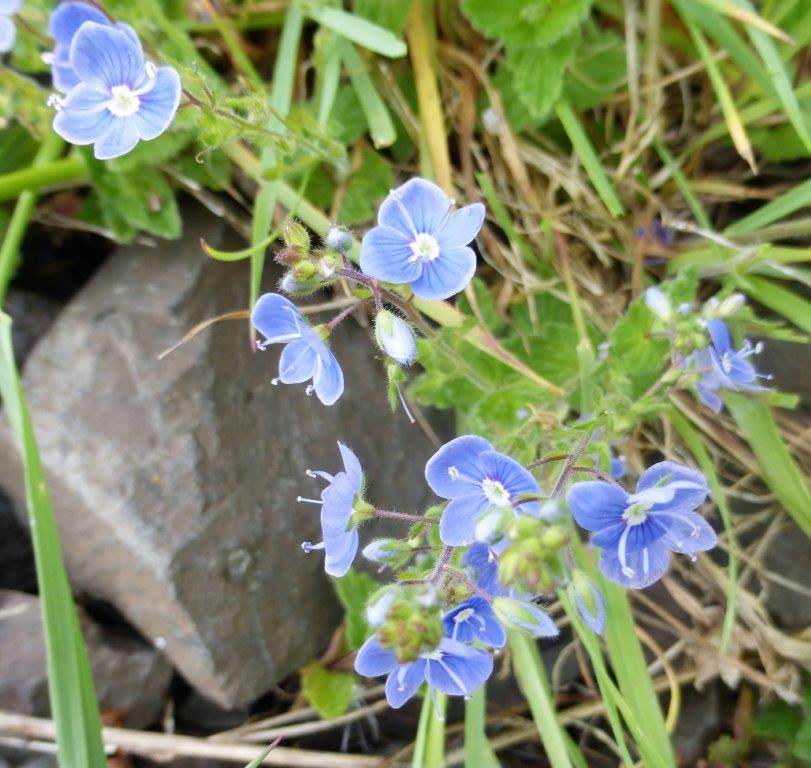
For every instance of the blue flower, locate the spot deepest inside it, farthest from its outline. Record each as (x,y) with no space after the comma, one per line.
(305,355)
(338,500)
(421,241)
(8,32)
(722,367)
(482,559)
(121,99)
(638,531)
(452,668)
(474,621)
(395,338)
(477,479)
(618,467)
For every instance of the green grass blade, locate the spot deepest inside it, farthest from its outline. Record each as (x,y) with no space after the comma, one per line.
(534,684)
(794,200)
(70,685)
(780,471)
(359,30)
(695,445)
(329,77)
(683,184)
(745,13)
(478,752)
(429,747)
(381,126)
(588,156)
(779,76)
(786,302)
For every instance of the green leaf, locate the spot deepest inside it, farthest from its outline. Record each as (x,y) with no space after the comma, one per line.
(70,685)
(330,692)
(638,355)
(529,23)
(354,590)
(366,189)
(391,14)
(360,30)
(597,69)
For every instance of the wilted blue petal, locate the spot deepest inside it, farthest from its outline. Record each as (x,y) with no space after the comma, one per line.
(596,504)
(458,670)
(461,227)
(328,380)
(120,139)
(455,470)
(8,34)
(404,682)
(385,254)
(277,319)
(158,104)
(297,362)
(416,207)
(446,275)
(457,528)
(100,53)
(642,569)
(687,532)
(373,660)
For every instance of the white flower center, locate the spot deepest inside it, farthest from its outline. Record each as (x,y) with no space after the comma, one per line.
(463,615)
(496,493)
(424,248)
(124,102)
(726,362)
(636,514)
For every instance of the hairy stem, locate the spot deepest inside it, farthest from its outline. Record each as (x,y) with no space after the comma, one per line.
(404,516)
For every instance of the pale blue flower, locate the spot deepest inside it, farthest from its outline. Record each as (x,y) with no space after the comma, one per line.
(722,367)
(478,480)
(637,531)
(121,99)
(421,241)
(8,32)
(618,466)
(305,355)
(452,668)
(395,337)
(472,621)
(338,501)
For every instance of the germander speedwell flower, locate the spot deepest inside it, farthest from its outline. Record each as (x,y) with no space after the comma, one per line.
(339,502)
(478,480)
(305,355)
(420,240)
(8,32)
(121,99)
(638,531)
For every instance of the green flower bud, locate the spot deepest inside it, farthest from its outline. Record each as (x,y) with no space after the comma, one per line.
(296,237)
(411,627)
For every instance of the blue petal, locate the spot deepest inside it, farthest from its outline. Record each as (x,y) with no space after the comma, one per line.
(461,227)
(338,562)
(637,536)
(461,454)
(446,275)
(514,477)
(687,487)
(158,104)
(83,125)
(539,623)
(67,18)
(87,98)
(457,528)
(687,532)
(460,670)
(120,139)
(10,7)
(8,34)
(277,319)
(594,621)
(617,467)
(417,207)
(373,660)
(328,380)
(337,507)
(719,333)
(62,73)
(481,625)
(386,254)
(102,54)
(297,362)
(482,560)
(404,682)
(709,397)
(596,504)
(352,466)
(646,566)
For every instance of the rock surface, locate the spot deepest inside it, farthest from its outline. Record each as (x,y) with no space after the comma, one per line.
(17,569)
(132,678)
(175,481)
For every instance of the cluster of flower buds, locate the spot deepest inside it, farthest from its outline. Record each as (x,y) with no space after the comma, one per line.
(306,269)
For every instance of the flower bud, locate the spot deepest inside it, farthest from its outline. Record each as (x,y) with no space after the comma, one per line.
(304,270)
(338,239)
(394,337)
(290,285)
(411,627)
(589,601)
(659,304)
(392,552)
(524,616)
(731,305)
(296,237)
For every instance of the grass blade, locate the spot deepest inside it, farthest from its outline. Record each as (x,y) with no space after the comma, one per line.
(794,200)
(360,31)
(70,685)
(478,752)
(780,471)
(746,16)
(791,305)
(429,747)
(592,164)
(534,684)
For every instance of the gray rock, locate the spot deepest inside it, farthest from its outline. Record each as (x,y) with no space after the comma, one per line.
(132,679)
(175,481)
(789,364)
(700,721)
(32,315)
(17,569)
(789,555)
